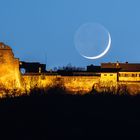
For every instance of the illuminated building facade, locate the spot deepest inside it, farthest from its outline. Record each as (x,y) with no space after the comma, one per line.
(128,72)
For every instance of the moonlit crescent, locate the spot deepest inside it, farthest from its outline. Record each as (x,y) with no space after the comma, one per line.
(103,53)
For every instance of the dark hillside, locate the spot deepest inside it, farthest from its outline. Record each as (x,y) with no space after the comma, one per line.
(64,116)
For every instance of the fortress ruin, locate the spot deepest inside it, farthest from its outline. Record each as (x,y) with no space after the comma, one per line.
(9,68)
(107,77)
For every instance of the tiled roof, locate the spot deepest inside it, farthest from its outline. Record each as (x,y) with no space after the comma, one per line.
(123,66)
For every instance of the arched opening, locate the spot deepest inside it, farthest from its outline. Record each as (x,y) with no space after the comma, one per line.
(22,70)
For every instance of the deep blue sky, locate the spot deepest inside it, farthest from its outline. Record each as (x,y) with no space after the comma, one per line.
(43,30)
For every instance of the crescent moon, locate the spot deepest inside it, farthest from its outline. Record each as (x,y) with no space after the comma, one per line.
(103,53)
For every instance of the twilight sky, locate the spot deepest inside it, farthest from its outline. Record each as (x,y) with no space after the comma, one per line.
(43,30)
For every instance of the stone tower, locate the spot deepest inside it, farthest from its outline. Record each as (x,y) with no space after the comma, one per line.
(9,68)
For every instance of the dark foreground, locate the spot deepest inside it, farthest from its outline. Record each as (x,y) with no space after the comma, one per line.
(61,116)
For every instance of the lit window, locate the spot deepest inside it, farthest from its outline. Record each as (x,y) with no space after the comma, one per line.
(133,75)
(126,75)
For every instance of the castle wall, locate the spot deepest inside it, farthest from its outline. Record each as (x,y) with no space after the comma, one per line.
(9,68)
(11,78)
(80,83)
(131,87)
(40,81)
(70,83)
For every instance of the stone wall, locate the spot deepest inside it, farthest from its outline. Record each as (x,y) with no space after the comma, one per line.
(130,87)
(81,84)
(9,68)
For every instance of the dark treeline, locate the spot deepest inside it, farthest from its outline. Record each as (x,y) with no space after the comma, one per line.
(56,114)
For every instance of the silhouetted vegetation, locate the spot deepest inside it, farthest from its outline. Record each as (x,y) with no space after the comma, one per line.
(56,114)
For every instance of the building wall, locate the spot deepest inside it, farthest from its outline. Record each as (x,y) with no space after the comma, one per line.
(129,76)
(121,76)
(122,81)
(108,79)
